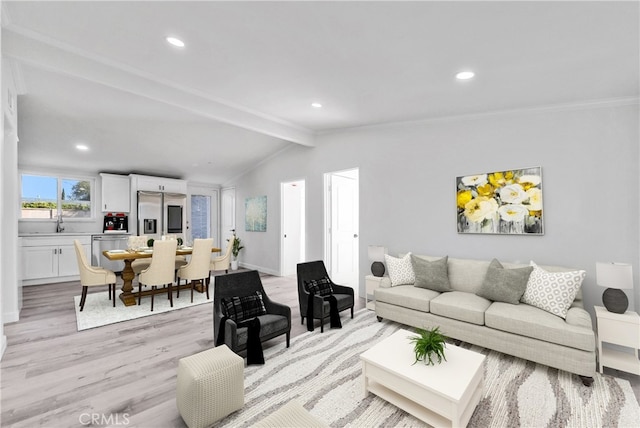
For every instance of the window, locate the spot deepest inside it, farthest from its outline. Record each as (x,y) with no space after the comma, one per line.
(200,216)
(43,197)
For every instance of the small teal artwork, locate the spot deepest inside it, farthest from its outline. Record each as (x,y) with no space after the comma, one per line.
(255,214)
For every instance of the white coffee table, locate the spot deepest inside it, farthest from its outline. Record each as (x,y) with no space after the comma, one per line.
(442,395)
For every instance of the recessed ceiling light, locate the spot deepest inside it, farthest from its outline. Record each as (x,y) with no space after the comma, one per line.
(465,75)
(175,42)
(316,105)
(82,147)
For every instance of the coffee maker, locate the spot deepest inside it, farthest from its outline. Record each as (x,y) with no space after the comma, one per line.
(115,223)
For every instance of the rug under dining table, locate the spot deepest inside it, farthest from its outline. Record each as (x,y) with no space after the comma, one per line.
(98,309)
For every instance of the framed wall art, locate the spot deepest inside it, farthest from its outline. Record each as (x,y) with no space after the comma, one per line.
(255,214)
(502,202)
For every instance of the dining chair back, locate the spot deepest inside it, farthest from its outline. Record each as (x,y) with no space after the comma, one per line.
(198,267)
(93,276)
(223,262)
(161,271)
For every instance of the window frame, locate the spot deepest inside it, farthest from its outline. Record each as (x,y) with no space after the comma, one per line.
(59,177)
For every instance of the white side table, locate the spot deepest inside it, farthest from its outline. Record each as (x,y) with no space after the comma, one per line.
(618,329)
(371,283)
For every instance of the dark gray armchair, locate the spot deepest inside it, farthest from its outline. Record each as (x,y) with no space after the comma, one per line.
(314,271)
(275,322)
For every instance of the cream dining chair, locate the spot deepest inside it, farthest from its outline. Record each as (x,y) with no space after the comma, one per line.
(92,276)
(222,262)
(134,243)
(198,267)
(161,270)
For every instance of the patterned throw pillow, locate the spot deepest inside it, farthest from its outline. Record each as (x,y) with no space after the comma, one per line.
(244,307)
(400,270)
(553,292)
(319,287)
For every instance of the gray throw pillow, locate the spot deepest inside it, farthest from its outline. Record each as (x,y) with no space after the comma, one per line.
(432,275)
(504,285)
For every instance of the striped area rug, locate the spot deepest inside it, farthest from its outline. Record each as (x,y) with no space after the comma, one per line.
(323,372)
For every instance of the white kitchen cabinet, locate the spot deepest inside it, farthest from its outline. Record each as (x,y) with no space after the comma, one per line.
(47,259)
(160,184)
(116,195)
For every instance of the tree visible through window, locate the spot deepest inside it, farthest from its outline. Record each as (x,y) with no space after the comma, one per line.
(40,197)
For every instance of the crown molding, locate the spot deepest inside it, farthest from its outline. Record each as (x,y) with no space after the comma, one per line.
(581,105)
(45,53)
(18,76)
(5,16)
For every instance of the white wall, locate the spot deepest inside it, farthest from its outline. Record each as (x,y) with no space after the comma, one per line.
(589,158)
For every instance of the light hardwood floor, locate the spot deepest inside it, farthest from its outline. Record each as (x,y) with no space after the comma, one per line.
(121,375)
(54,376)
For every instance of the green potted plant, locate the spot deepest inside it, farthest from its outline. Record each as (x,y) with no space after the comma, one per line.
(429,345)
(235,250)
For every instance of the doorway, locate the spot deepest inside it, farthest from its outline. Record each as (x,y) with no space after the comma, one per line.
(202,214)
(293,237)
(341,192)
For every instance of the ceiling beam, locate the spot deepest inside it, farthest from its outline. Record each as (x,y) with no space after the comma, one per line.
(37,51)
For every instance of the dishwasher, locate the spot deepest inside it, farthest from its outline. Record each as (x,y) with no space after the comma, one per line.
(108,241)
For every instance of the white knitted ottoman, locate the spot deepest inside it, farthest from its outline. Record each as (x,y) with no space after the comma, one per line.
(210,386)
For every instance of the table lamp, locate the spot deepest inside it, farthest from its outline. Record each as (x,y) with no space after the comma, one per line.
(376,253)
(616,277)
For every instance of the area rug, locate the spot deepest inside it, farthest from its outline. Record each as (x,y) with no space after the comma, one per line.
(98,309)
(323,372)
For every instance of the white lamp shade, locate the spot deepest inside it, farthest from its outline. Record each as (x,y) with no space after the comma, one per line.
(614,275)
(376,253)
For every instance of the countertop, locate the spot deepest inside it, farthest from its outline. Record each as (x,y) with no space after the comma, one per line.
(43,234)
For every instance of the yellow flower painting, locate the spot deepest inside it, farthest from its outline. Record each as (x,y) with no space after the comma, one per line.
(502,202)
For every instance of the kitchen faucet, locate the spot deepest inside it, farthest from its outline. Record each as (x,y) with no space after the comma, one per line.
(59,226)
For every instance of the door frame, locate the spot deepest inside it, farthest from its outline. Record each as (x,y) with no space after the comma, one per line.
(303,249)
(328,220)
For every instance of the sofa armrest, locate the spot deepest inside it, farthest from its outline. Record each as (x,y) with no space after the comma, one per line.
(578,317)
(341,289)
(385,282)
(278,309)
(230,334)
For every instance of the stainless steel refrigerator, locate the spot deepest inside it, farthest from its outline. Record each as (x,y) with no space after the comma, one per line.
(161,213)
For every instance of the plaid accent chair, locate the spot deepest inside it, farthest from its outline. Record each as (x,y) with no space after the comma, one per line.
(241,296)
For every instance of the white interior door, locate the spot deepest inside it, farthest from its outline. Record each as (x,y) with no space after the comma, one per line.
(227,214)
(343,230)
(293,226)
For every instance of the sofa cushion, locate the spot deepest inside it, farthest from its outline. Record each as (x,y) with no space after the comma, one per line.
(406,296)
(504,285)
(553,292)
(529,321)
(400,269)
(269,324)
(461,306)
(431,274)
(467,275)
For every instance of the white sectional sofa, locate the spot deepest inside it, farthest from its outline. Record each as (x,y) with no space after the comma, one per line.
(520,329)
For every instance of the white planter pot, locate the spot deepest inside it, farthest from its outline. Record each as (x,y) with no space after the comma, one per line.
(234,265)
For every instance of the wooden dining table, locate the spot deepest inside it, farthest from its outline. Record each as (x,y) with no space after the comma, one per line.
(127,256)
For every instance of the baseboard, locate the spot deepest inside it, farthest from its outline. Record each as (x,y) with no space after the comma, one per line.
(10,317)
(259,269)
(4,346)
